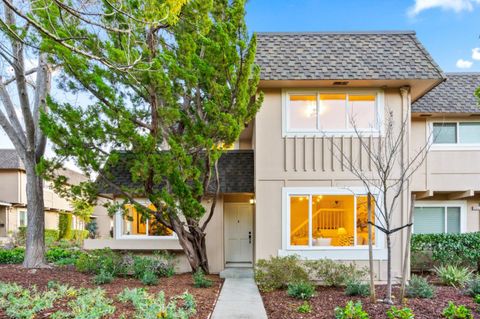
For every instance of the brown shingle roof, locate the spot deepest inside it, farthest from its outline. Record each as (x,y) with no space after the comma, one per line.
(344,55)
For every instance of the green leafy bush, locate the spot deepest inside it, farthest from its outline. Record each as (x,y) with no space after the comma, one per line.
(472,286)
(65,226)
(160,263)
(149,306)
(101,260)
(12,256)
(332,273)
(351,311)
(200,281)
(453,311)
(355,287)
(103,277)
(149,278)
(62,256)
(476,299)
(418,287)
(301,290)
(51,236)
(453,275)
(304,307)
(461,249)
(277,272)
(400,313)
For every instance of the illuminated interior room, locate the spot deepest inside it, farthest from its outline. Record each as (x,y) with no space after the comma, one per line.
(329,220)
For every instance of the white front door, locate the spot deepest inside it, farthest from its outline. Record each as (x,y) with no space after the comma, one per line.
(238,232)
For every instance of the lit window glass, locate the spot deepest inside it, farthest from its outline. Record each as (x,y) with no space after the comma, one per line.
(362,111)
(302,113)
(299,223)
(333,111)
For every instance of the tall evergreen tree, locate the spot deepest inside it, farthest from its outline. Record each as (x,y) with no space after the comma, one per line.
(172,81)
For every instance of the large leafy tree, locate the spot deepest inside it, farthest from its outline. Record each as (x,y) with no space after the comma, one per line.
(171,81)
(25,76)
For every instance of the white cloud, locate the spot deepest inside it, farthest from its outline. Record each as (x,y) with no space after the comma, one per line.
(455,5)
(476,53)
(464,64)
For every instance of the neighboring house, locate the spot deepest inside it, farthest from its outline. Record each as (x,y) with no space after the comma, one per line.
(283,189)
(13,196)
(447,185)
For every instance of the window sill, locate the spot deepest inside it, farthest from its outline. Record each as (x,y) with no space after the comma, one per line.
(455,147)
(335,253)
(145,237)
(332,134)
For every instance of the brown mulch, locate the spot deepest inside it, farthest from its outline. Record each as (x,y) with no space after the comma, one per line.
(280,306)
(205,298)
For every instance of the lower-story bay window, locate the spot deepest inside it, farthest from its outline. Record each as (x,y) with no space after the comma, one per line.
(320,218)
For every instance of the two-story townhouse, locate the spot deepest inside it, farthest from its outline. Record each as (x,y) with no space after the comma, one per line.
(447,185)
(13,196)
(283,189)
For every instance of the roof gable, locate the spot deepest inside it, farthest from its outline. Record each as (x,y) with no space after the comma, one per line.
(339,55)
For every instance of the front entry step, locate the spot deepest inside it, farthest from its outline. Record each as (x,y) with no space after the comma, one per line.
(236,273)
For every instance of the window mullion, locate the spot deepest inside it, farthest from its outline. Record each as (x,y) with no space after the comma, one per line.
(458,133)
(319,123)
(310,222)
(355,221)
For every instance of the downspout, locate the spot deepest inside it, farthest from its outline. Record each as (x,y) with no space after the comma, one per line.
(405,95)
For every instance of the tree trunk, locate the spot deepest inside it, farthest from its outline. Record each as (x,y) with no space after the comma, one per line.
(388,297)
(35,241)
(370,250)
(194,246)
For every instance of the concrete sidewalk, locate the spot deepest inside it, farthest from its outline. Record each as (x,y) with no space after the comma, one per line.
(239,298)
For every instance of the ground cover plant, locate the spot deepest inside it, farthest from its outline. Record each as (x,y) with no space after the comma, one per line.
(62,292)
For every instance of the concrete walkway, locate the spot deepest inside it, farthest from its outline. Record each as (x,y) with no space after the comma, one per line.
(239,298)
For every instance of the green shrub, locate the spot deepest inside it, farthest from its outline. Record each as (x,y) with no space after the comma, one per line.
(472,286)
(351,311)
(461,249)
(12,256)
(453,311)
(149,278)
(149,306)
(418,287)
(57,254)
(103,277)
(476,299)
(304,307)
(161,264)
(65,226)
(200,281)
(90,304)
(301,290)
(453,275)
(277,272)
(400,313)
(51,236)
(355,287)
(101,259)
(332,273)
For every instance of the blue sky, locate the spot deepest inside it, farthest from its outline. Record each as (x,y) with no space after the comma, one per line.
(449,29)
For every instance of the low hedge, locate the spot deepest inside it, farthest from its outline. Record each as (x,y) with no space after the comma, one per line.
(53,255)
(51,235)
(462,249)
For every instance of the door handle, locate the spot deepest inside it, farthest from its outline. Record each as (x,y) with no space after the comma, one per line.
(249,237)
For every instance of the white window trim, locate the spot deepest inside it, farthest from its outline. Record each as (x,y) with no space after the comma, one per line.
(451,146)
(379,112)
(446,203)
(359,252)
(18,218)
(119,228)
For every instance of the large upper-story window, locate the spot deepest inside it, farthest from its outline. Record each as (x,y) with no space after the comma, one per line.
(456,133)
(319,112)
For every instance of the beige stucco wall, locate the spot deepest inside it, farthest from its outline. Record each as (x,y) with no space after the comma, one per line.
(308,162)
(444,170)
(214,242)
(104,221)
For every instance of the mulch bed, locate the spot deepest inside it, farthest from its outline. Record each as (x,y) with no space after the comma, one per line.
(280,306)
(205,298)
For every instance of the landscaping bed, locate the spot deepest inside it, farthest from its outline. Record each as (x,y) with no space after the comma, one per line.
(172,286)
(280,306)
